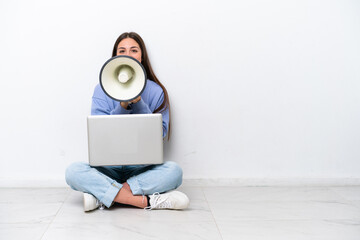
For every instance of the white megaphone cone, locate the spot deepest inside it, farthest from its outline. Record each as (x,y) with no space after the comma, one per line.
(123,78)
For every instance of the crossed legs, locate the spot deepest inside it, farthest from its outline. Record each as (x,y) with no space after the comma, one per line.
(104,183)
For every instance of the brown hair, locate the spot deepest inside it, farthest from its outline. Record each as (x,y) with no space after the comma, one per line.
(149,71)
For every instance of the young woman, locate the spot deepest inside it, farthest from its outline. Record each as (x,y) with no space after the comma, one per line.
(143,186)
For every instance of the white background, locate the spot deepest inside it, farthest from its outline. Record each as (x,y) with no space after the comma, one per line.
(259,89)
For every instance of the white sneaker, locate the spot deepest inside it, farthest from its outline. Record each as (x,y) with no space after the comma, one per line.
(90,202)
(170,200)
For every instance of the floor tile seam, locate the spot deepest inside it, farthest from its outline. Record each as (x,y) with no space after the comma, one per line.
(344,199)
(292,220)
(355,203)
(212,214)
(348,202)
(137,221)
(284,187)
(32,203)
(29,222)
(24,223)
(340,195)
(288,219)
(202,221)
(57,212)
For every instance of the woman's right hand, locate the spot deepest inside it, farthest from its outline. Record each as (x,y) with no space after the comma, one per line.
(126,104)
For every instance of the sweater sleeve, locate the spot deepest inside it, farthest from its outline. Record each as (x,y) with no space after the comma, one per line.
(142,108)
(165,117)
(101,106)
(164,113)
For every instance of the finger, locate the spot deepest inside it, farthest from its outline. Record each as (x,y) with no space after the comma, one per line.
(136,99)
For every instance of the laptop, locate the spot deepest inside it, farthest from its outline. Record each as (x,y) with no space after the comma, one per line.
(126,139)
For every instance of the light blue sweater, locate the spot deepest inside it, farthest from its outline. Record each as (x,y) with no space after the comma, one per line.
(151,98)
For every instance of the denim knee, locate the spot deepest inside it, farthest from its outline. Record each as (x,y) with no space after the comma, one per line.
(72,172)
(175,172)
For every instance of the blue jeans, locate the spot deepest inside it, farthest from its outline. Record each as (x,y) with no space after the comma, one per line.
(105,182)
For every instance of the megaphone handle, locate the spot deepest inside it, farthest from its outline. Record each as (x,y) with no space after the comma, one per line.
(129,106)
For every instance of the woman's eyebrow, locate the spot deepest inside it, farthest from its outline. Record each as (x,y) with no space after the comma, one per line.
(130,47)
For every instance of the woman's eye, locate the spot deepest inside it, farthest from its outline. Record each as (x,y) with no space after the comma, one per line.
(134,51)
(121,51)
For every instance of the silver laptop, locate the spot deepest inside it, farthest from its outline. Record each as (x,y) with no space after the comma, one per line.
(127,139)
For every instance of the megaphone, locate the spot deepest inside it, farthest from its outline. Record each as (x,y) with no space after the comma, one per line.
(123,78)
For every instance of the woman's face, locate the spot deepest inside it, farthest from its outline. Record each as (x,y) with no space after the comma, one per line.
(129,47)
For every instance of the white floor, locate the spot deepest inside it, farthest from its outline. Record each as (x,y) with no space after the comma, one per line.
(226,213)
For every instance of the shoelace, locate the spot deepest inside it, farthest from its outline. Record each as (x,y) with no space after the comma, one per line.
(158,202)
